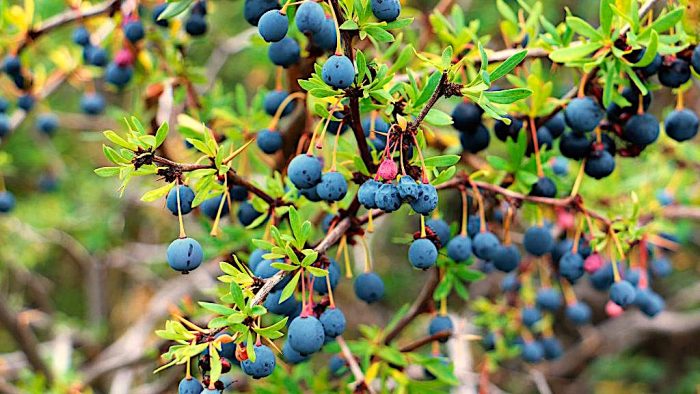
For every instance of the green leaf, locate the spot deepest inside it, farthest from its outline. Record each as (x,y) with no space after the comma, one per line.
(112,136)
(498,162)
(290,287)
(442,161)
(429,89)
(446,58)
(436,117)
(650,52)
(237,295)
(318,272)
(583,28)
(445,175)
(378,34)
(216,308)
(174,8)
(107,171)
(157,193)
(507,66)
(605,16)
(507,96)
(574,52)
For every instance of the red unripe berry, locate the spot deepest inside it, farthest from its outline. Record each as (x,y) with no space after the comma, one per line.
(388,170)
(124,58)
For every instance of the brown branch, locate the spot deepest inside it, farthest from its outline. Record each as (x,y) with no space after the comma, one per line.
(359,383)
(25,339)
(418,306)
(417,344)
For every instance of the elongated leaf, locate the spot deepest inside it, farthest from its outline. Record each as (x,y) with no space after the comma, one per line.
(507,66)
(508,96)
(576,52)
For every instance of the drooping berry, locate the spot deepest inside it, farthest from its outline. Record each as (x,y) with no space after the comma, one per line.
(369,287)
(320,285)
(309,17)
(304,171)
(273,26)
(674,72)
(186,198)
(504,131)
(388,170)
(583,114)
(476,141)
(274,99)
(466,116)
(333,186)
(422,253)
(387,198)
(333,321)
(506,258)
(574,145)
(579,313)
(681,125)
(253,10)
(263,365)
(118,75)
(81,36)
(426,200)
(134,31)
(92,103)
(440,324)
(485,245)
(210,207)
(47,123)
(552,348)
(556,125)
(367,192)
(155,15)
(338,71)
(544,187)
(571,266)
(622,293)
(532,352)
(641,129)
(306,335)
(460,248)
(548,299)
(661,267)
(599,164)
(7,201)
(185,254)
(196,25)
(284,52)
(326,37)
(408,188)
(189,386)
(439,227)
(538,240)
(530,316)
(386,10)
(269,141)
(286,307)
(256,256)
(247,214)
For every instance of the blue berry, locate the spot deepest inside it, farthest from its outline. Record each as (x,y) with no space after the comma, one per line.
(661,267)
(695,59)
(292,356)
(264,363)
(583,114)
(633,96)
(184,254)
(311,194)
(336,365)
(367,192)
(600,164)
(92,103)
(653,67)
(189,386)
(538,241)
(196,25)
(134,31)
(338,71)
(460,248)
(273,26)
(256,256)
(326,37)
(157,11)
(333,186)
(26,102)
(186,198)
(269,141)
(117,75)
(622,293)
(387,198)
(603,278)
(476,141)
(544,187)
(333,321)
(274,99)
(489,341)
(574,145)
(309,17)
(549,299)
(11,65)
(47,123)
(7,201)
(571,266)
(440,324)
(544,140)
(81,36)
(272,303)
(556,125)
(422,253)
(4,105)
(210,207)
(326,222)
(253,10)
(466,116)
(579,313)
(506,258)
(439,227)
(641,129)
(674,72)
(306,335)
(650,303)
(386,10)
(426,200)
(247,213)
(96,56)
(335,126)
(681,125)
(265,270)
(238,193)
(532,352)
(381,128)
(503,131)
(530,316)
(510,282)
(552,348)
(284,52)
(369,287)
(304,171)
(485,245)
(473,226)
(320,285)
(408,189)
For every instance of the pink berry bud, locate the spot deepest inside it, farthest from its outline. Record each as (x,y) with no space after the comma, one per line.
(565,219)
(388,170)
(124,58)
(613,310)
(592,263)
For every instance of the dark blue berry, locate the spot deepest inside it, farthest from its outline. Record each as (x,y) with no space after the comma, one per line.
(134,31)
(256,256)
(476,141)
(311,194)
(96,56)
(304,171)
(674,72)
(485,245)
(653,67)
(603,278)
(117,75)
(274,99)
(321,285)
(92,103)
(599,164)
(186,198)
(408,188)
(622,293)
(264,363)
(247,213)
(504,131)
(426,200)
(265,270)
(556,125)
(386,10)
(532,352)
(538,240)
(439,227)
(292,356)
(506,258)
(440,324)
(579,313)
(530,316)
(695,59)
(473,226)
(367,192)
(681,125)
(81,36)
(560,166)
(189,386)
(544,140)
(196,25)
(574,145)
(273,26)
(47,123)
(157,10)
(571,266)
(635,98)
(7,201)
(466,116)
(641,129)
(460,248)
(661,267)
(338,71)
(210,207)
(335,125)
(336,365)
(387,198)
(305,335)
(369,287)
(544,187)
(548,299)
(309,17)
(238,193)
(333,321)
(510,282)
(269,141)
(552,348)
(286,307)
(333,186)
(11,65)
(26,102)
(583,114)
(184,254)
(326,37)
(422,253)
(650,303)
(253,10)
